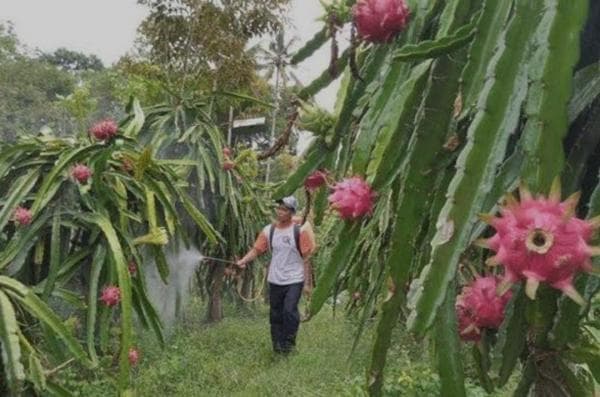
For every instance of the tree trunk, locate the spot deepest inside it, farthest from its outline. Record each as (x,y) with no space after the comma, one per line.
(215,288)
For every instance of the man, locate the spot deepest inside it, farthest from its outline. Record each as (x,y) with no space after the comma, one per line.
(290,248)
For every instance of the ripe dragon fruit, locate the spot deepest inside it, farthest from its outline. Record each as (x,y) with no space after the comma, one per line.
(479,306)
(540,240)
(111,295)
(228,165)
(379,21)
(104,130)
(316,180)
(23,216)
(81,173)
(352,198)
(133,355)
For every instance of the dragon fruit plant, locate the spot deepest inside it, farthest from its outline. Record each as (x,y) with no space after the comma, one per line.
(444,108)
(75,230)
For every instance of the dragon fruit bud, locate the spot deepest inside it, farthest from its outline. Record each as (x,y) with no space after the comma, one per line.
(228,165)
(541,241)
(104,130)
(111,295)
(316,180)
(23,216)
(479,306)
(132,267)
(133,355)
(81,173)
(379,21)
(127,165)
(352,198)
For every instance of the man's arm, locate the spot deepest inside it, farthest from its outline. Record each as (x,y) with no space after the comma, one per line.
(260,246)
(307,248)
(249,257)
(307,277)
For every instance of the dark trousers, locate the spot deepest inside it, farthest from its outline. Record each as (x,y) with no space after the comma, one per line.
(284,315)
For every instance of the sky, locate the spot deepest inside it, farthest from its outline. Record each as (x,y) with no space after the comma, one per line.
(107,28)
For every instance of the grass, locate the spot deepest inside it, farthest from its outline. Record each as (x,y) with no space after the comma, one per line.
(234,358)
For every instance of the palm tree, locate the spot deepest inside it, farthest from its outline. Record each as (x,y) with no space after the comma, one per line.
(275,61)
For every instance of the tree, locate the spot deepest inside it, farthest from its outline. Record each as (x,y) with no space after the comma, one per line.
(201,44)
(72,61)
(275,61)
(9,43)
(29,95)
(63,91)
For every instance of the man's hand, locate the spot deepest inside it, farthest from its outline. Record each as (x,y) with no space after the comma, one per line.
(240,263)
(307,290)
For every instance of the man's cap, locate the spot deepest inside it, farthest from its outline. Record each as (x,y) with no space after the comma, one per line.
(289,202)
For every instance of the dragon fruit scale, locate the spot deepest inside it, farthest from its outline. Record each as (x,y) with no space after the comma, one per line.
(111,295)
(479,306)
(352,198)
(539,239)
(379,21)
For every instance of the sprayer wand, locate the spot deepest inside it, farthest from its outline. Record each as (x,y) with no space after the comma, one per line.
(218,260)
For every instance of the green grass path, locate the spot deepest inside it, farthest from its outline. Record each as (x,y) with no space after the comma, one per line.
(234,358)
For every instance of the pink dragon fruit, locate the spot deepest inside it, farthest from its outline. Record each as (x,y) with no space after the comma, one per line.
(540,240)
(316,180)
(478,306)
(352,198)
(81,173)
(226,152)
(133,355)
(228,165)
(104,130)
(111,295)
(23,216)
(379,21)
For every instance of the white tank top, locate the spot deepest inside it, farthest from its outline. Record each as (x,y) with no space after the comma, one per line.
(287,265)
